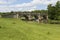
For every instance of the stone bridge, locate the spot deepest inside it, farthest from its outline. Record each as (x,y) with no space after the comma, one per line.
(29,16)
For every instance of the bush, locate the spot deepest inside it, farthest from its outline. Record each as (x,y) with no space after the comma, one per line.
(54,22)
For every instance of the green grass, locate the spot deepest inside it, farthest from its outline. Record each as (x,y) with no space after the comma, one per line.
(15,29)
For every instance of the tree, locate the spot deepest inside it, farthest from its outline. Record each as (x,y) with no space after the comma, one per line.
(57,10)
(51,11)
(54,11)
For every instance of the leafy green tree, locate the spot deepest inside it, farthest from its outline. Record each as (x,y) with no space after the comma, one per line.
(57,10)
(54,11)
(51,12)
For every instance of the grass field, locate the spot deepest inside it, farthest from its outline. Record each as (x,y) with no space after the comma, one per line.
(15,29)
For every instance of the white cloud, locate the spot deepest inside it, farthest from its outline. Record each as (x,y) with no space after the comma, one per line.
(2,2)
(7,1)
(24,6)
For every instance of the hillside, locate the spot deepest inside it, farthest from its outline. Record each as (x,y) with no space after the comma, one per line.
(16,29)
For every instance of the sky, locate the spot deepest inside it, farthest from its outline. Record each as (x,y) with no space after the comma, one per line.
(24,5)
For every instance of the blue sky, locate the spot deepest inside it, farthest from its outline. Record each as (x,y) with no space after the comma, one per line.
(24,5)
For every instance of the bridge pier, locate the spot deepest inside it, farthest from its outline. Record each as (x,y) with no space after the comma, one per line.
(45,18)
(29,17)
(40,19)
(16,15)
